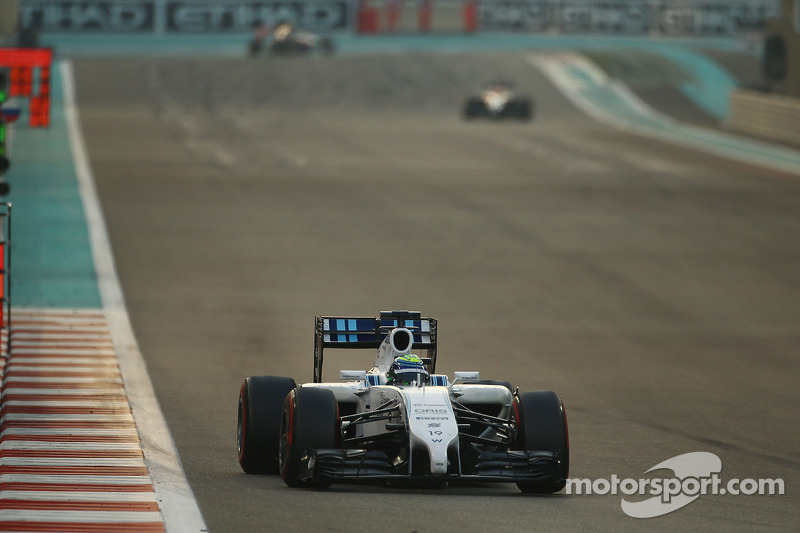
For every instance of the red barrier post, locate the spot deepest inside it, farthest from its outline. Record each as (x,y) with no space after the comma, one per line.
(393,8)
(21,81)
(367,18)
(425,13)
(470,14)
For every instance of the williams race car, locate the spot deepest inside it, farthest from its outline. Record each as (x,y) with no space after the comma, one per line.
(399,421)
(286,40)
(498,101)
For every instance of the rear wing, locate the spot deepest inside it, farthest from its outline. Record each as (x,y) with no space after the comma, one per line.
(356,332)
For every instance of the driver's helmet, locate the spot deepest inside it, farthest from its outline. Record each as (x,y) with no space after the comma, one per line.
(283,30)
(407,369)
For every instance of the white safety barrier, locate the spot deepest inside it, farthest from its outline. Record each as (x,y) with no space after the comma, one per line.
(765,115)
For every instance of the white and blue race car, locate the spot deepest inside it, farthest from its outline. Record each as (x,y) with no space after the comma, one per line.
(399,421)
(498,101)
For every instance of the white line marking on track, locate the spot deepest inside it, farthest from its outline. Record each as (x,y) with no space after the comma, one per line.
(65,370)
(612,102)
(144,481)
(63,352)
(64,379)
(122,404)
(72,461)
(67,446)
(87,392)
(68,432)
(53,495)
(56,360)
(88,517)
(44,332)
(68,417)
(178,505)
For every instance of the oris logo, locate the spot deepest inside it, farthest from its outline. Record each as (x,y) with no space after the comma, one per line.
(430,409)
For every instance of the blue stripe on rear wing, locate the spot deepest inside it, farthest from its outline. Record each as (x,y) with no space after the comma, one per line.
(337,331)
(369,332)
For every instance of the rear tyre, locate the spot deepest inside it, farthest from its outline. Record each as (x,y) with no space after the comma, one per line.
(289,48)
(254,47)
(542,425)
(326,46)
(310,420)
(259,422)
(473,108)
(524,109)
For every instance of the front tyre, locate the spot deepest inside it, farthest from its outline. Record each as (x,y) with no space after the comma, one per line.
(473,108)
(310,420)
(326,46)
(259,421)
(542,426)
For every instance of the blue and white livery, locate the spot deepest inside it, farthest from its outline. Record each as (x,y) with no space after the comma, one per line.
(399,421)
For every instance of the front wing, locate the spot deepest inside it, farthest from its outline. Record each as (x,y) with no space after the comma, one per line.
(364,466)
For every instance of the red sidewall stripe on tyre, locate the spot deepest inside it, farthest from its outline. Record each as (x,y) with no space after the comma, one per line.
(289,430)
(244,423)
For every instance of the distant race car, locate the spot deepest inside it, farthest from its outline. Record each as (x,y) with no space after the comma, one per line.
(286,40)
(399,422)
(498,101)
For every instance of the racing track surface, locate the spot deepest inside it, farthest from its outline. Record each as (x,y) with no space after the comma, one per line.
(657,289)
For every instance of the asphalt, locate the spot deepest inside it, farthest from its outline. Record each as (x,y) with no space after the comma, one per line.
(655,288)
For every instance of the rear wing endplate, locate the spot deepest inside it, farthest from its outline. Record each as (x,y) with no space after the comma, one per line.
(357,332)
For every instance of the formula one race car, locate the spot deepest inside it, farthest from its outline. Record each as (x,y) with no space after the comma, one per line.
(498,101)
(286,40)
(399,422)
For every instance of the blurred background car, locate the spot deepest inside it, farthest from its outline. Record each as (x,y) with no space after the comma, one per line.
(498,101)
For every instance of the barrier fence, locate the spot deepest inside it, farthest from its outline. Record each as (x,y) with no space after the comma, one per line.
(770,116)
(670,17)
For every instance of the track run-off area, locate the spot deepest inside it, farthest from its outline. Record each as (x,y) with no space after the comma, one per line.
(193,211)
